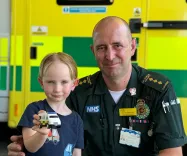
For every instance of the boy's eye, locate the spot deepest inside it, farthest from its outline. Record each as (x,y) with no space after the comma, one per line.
(64,82)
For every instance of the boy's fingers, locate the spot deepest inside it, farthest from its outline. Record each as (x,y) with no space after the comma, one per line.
(41,111)
(35,116)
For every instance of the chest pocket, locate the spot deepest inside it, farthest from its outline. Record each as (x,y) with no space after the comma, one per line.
(95,128)
(143,128)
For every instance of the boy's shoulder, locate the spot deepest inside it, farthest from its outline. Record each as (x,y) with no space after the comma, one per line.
(37,105)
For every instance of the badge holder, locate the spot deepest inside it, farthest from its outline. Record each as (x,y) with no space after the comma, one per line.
(129,136)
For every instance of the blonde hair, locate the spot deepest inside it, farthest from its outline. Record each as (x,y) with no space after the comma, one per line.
(58,56)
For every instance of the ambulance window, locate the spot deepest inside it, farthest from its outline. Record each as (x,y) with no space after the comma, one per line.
(85,2)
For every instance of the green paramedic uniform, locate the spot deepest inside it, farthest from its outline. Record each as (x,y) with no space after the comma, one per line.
(158,114)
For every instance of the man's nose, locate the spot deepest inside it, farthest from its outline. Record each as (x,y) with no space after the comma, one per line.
(110,53)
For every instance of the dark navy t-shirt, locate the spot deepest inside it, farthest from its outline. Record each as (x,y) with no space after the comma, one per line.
(70,132)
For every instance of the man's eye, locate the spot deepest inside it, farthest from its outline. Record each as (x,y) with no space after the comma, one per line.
(50,82)
(118,45)
(100,48)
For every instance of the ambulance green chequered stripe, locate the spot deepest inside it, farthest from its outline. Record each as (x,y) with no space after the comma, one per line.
(3,77)
(179,82)
(178,79)
(18,78)
(78,47)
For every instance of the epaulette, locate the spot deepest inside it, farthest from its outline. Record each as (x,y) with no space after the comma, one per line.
(85,80)
(156,81)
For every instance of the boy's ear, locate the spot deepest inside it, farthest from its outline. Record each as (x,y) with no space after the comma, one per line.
(75,83)
(40,82)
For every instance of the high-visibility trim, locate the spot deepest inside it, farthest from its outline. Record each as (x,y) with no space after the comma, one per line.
(18,78)
(173,54)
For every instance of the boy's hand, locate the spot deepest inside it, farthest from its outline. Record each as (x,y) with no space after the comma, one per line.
(37,123)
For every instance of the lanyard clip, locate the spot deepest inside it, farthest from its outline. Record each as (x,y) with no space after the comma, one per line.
(130,123)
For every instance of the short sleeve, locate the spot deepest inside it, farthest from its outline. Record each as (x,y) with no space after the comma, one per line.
(27,117)
(169,130)
(80,138)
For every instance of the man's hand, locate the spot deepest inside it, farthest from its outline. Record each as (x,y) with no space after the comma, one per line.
(15,148)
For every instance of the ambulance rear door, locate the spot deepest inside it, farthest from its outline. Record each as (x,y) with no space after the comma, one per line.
(165,29)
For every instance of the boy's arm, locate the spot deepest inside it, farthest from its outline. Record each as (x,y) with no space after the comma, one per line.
(33,140)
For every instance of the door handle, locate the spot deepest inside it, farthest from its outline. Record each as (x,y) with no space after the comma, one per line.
(165,25)
(33,52)
(136,25)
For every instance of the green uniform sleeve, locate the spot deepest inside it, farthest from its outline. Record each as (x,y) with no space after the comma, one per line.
(169,130)
(71,102)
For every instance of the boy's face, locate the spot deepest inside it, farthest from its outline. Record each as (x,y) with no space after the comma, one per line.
(57,83)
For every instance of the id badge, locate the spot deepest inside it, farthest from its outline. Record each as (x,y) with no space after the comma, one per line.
(130,137)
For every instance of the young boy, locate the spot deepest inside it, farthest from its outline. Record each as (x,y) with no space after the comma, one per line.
(57,77)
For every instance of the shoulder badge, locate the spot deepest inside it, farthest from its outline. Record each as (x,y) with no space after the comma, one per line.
(85,80)
(156,81)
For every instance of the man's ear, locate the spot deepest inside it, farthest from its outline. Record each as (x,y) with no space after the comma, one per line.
(40,82)
(133,46)
(92,48)
(75,83)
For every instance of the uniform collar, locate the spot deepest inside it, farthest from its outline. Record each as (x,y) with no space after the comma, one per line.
(132,87)
(101,87)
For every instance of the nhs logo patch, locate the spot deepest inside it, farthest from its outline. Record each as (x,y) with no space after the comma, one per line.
(92,109)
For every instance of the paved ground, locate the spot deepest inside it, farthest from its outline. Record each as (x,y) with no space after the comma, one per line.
(5,134)
(3,149)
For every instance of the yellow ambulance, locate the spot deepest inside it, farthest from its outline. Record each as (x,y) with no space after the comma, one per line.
(38,27)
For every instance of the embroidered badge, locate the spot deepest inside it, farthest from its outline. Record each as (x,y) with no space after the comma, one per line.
(92,109)
(142,108)
(132,91)
(165,106)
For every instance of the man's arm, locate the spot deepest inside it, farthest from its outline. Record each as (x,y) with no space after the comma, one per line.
(16,147)
(171,152)
(169,130)
(77,152)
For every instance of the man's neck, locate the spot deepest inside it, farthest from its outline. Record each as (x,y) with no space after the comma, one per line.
(118,84)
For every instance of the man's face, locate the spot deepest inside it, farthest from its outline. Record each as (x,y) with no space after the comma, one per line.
(113,49)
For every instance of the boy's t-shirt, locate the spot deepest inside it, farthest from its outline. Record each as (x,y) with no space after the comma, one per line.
(70,132)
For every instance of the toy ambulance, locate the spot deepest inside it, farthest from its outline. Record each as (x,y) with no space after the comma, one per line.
(49,120)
